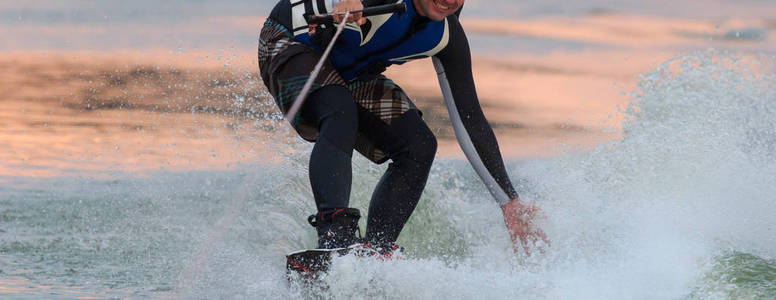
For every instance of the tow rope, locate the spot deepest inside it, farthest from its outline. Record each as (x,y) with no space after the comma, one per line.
(307,85)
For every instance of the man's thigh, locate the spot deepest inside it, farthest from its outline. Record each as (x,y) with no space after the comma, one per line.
(380,103)
(285,65)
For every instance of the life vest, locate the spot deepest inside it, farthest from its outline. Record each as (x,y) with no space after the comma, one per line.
(382,41)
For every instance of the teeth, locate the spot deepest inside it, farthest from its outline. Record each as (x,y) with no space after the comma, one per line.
(440,5)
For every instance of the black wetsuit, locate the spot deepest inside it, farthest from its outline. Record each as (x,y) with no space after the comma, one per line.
(407,141)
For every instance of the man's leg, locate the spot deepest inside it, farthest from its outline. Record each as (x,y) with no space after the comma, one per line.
(329,117)
(330,164)
(411,146)
(330,161)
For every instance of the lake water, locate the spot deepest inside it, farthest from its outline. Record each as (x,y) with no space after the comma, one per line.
(141,157)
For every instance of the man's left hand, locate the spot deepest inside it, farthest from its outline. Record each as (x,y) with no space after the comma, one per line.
(519,218)
(344,6)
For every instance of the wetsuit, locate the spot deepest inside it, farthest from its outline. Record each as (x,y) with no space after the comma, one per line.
(361,54)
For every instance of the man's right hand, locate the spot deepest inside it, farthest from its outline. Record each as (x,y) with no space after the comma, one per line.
(349,5)
(519,218)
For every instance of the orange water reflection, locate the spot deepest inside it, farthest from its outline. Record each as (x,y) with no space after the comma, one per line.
(145,110)
(63,114)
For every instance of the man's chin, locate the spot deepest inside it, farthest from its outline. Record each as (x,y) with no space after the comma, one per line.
(437,17)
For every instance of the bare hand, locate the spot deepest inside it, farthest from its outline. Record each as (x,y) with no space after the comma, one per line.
(519,218)
(349,5)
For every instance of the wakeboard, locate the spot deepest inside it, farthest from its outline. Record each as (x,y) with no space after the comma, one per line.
(311,263)
(305,269)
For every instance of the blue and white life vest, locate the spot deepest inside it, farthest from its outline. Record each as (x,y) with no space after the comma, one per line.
(382,41)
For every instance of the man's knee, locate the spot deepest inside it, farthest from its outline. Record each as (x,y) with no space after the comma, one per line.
(421,142)
(424,148)
(337,115)
(335,102)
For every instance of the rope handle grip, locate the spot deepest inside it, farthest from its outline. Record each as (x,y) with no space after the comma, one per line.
(366,12)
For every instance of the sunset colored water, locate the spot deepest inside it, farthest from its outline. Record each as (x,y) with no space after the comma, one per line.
(141,156)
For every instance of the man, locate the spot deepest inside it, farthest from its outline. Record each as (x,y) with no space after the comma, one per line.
(353,106)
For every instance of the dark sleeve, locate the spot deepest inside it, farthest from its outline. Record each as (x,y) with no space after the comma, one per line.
(456,59)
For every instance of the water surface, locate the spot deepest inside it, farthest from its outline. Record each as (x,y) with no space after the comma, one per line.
(141,157)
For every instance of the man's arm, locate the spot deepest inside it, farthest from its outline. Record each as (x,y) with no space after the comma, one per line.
(455,62)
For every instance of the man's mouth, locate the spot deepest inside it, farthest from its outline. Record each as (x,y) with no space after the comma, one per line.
(440,5)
